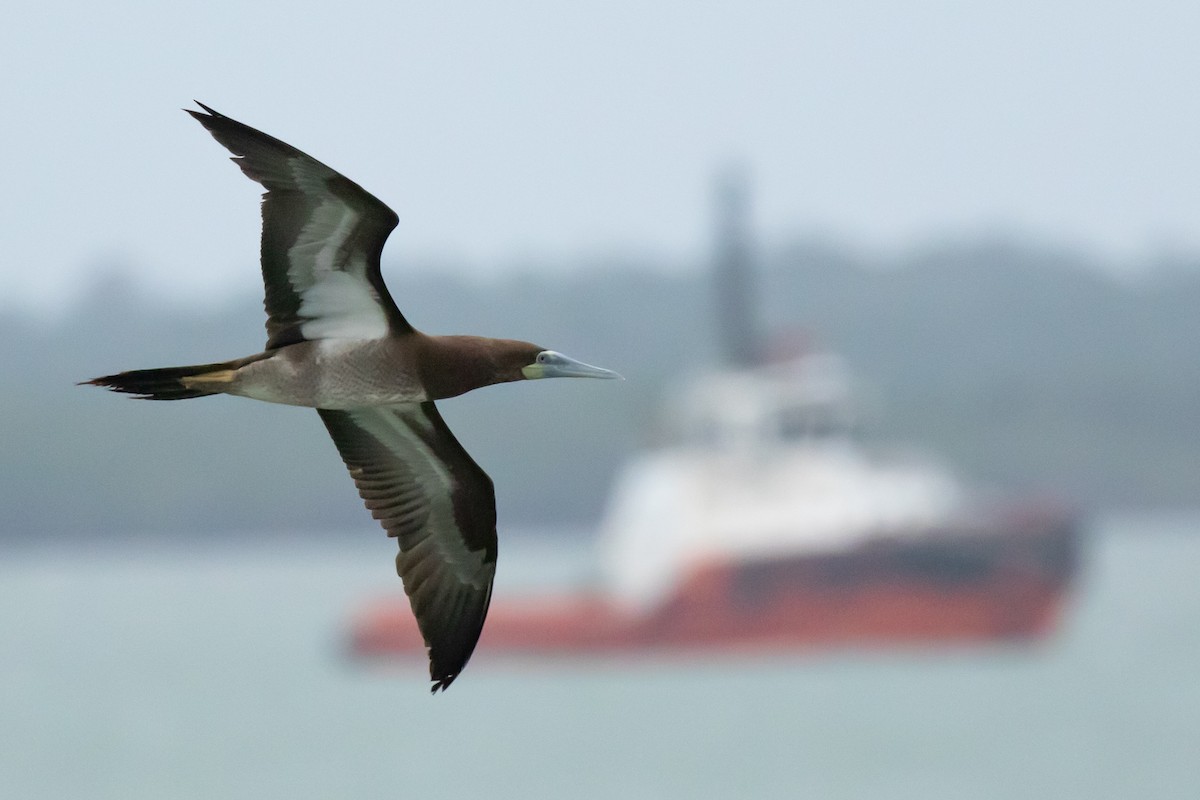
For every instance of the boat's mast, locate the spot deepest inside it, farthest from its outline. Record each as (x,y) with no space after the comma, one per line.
(733,273)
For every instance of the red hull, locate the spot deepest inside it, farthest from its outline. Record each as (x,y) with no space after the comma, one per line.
(942,587)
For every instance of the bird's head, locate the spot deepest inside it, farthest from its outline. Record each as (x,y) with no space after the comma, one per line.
(456,364)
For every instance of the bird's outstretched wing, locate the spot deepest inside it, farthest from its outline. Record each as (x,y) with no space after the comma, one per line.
(426,491)
(321,241)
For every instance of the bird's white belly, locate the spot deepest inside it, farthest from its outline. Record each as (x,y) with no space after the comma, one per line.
(330,373)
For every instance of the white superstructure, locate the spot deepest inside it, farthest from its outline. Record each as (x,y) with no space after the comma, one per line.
(761,462)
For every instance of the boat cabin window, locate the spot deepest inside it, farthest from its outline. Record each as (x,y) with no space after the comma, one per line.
(806,403)
(810,422)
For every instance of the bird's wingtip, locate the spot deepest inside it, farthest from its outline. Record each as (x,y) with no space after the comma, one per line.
(206,114)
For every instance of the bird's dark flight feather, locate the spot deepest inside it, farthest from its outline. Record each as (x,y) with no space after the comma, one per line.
(426,491)
(297,252)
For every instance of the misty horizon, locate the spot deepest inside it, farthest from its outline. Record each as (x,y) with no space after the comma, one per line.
(116,276)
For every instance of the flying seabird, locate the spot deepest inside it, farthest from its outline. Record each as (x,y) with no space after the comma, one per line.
(337,342)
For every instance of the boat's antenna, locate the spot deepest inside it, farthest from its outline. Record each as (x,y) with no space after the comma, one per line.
(733,272)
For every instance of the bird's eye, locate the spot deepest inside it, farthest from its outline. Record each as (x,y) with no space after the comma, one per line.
(542,358)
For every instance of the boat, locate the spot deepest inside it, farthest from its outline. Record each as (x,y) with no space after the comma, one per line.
(762,521)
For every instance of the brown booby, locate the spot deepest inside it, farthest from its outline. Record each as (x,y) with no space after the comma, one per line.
(337,342)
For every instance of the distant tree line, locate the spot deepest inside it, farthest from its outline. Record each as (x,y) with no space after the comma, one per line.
(1025,368)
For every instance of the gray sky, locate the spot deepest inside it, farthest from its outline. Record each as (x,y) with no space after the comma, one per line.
(499,130)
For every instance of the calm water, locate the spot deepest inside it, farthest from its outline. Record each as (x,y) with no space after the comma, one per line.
(203,673)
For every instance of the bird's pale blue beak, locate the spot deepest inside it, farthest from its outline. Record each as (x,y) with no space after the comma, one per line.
(550,364)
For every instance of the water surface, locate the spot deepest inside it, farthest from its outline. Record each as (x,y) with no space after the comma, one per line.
(161,672)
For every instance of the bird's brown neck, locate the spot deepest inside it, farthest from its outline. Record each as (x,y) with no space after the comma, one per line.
(451,365)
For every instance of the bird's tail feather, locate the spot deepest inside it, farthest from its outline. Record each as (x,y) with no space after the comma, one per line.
(173,383)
